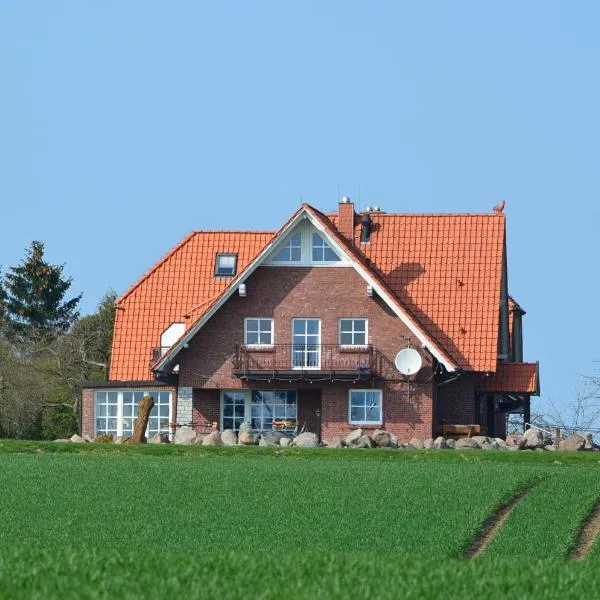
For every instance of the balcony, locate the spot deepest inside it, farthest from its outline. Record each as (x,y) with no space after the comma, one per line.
(316,362)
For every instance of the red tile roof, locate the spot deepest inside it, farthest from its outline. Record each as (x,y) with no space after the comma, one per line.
(516,378)
(444,270)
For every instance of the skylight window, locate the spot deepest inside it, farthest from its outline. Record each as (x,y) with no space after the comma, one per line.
(322,251)
(225,265)
(292,251)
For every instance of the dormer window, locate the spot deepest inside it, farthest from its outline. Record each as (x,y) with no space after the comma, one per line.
(322,251)
(292,251)
(225,265)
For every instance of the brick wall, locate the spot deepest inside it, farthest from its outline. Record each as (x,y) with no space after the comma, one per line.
(206,408)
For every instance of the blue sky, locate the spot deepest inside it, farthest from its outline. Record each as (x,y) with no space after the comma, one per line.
(124,125)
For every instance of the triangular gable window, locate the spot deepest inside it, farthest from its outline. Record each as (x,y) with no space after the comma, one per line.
(321,250)
(292,251)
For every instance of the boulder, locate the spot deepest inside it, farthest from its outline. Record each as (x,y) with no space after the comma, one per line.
(285,442)
(77,439)
(381,438)
(229,437)
(573,443)
(337,443)
(353,436)
(246,436)
(515,440)
(488,445)
(184,435)
(500,443)
(440,443)
(159,438)
(589,441)
(306,440)
(393,441)
(550,447)
(199,439)
(416,443)
(364,441)
(88,438)
(533,439)
(264,441)
(450,443)
(482,439)
(428,444)
(212,439)
(63,440)
(272,437)
(466,443)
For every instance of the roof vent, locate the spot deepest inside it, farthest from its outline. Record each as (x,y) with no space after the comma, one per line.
(345,200)
(365,233)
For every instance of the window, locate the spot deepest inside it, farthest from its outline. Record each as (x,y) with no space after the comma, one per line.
(234,410)
(259,408)
(225,265)
(292,251)
(272,405)
(353,332)
(306,343)
(321,250)
(258,332)
(116,412)
(365,407)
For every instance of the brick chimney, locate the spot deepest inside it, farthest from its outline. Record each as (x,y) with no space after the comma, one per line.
(346,218)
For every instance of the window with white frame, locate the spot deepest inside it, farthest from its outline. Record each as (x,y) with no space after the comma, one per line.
(260,408)
(353,332)
(233,409)
(272,405)
(365,407)
(225,265)
(258,332)
(115,412)
(321,250)
(292,251)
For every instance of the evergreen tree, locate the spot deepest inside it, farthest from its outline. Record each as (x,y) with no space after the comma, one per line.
(35,308)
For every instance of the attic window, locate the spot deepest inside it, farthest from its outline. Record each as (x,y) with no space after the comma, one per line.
(322,251)
(292,251)
(225,265)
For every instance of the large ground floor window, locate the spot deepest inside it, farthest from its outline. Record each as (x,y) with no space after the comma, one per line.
(264,409)
(365,407)
(115,412)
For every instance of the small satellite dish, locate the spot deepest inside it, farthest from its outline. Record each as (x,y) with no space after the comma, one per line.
(408,361)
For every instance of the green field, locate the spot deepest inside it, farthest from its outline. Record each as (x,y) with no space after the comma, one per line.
(106,521)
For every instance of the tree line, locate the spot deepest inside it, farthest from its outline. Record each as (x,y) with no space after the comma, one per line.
(47,350)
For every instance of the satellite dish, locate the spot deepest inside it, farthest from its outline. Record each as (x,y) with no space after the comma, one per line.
(408,361)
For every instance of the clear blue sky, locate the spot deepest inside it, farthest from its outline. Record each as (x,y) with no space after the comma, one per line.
(124,125)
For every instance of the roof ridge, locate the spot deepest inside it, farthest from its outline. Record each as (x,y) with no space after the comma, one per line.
(250,231)
(388,214)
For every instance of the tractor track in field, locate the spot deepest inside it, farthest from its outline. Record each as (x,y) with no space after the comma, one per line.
(494,523)
(587,534)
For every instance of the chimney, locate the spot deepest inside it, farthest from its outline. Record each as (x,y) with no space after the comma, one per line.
(346,218)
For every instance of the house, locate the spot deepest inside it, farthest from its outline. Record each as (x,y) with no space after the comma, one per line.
(299,329)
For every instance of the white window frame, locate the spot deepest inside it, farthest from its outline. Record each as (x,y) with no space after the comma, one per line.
(353,332)
(119,417)
(226,255)
(259,344)
(247,394)
(372,422)
(284,246)
(306,368)
(324,245)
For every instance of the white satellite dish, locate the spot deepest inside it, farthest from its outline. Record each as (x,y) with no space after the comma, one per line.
(408,361)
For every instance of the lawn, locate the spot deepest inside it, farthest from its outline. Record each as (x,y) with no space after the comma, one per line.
(102,521)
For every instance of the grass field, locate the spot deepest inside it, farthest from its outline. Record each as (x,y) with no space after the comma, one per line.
(100,521)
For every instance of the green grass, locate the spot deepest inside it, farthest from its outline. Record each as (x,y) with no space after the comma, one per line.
(106,521)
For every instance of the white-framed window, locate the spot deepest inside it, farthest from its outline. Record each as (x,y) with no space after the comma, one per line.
(306,343)
(233,409)
(321,251)
(260,408)
(258,332)
(115,411)
(225,264)
(353,332)
(365,407)
(292,251)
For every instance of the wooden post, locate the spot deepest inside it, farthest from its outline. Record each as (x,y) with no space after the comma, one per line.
(139,429)
(557,437)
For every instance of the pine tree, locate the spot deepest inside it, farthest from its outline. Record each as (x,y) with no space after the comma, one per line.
(35,309)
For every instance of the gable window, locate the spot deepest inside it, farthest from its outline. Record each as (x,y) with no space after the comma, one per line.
(258,332)
(365,407)
(292,251)
(225,265)
(322,251)
(353,332)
